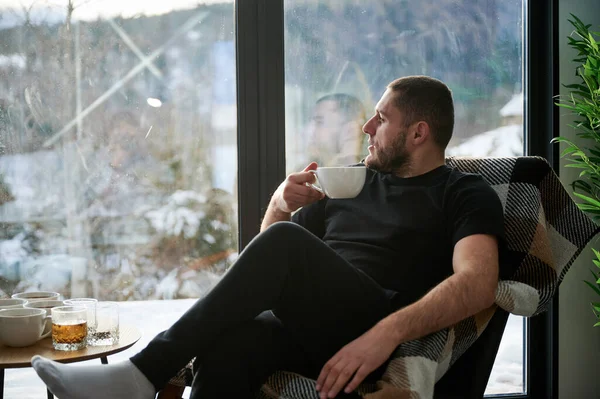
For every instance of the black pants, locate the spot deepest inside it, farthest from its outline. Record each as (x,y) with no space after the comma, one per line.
(321,302)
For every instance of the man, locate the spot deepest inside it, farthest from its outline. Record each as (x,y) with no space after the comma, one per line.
(349,280)
(335,130)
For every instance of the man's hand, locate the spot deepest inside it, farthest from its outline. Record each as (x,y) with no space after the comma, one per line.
(359,358)
(294,193)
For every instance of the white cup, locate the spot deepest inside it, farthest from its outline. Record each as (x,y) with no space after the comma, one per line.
(44,304)
(23,327)
(37,296)
(12,303)
(341,181)
(47,305)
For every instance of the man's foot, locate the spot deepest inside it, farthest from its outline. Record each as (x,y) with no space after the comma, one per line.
(116,381)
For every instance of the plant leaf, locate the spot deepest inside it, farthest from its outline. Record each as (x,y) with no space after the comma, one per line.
(592,41)
(588,199)
(593,287)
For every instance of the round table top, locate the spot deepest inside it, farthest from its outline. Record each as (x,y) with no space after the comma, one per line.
(12,358)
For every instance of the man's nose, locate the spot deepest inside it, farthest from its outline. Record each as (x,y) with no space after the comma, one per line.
(367,128)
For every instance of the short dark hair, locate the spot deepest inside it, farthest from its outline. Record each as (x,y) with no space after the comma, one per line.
(422,98)
(350,106)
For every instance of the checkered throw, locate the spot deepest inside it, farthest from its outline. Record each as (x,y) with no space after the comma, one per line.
(545,232)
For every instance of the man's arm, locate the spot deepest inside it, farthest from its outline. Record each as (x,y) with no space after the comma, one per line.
(274,215)
(290,196)
(469,290)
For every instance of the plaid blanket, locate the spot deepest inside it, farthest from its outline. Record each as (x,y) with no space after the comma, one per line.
(545,232)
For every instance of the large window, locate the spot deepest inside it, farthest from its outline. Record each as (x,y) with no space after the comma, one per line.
(118,147)
(339,56)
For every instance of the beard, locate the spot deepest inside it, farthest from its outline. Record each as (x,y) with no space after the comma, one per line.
(391,158)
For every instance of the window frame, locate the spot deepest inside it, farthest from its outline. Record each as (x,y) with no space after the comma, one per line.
(261,140)
(541,82)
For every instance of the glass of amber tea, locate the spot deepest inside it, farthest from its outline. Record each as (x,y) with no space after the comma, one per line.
(69,328)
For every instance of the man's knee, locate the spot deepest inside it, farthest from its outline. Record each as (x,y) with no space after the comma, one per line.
(285,230)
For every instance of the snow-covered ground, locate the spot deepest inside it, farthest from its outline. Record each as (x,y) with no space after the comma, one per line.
(151,317)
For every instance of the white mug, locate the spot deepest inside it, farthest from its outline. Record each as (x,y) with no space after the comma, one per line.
(23,327)
(12,303)
(341,181)
(47,305)
(37,296)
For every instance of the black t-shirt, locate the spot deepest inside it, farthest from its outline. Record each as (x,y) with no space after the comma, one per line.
(402,231)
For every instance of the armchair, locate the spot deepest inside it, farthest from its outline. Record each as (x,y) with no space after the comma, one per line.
(545,232)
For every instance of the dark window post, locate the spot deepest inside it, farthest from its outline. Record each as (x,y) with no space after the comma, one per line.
(261,109)
(541,125)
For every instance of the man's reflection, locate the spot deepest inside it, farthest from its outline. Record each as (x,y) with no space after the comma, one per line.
(335,130)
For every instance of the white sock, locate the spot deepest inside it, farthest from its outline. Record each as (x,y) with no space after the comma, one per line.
(116,381)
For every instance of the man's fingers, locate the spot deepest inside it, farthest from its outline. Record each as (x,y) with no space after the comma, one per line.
(301,195)
(359,377)
(324,373)
(337,377)
(302,177)
(306,176)
(311,166)
(330,379)
(342,379)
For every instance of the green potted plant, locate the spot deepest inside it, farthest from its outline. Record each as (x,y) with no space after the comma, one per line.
(584,102)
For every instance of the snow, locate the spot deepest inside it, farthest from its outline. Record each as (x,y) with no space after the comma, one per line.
(507,374)
(12,251)
(36,182)
(12,254)
(13,60)
(180,215)
(505,141)
(168,286)
(514,107)
(51,273)
(183,197)
(209,238)
(218,225)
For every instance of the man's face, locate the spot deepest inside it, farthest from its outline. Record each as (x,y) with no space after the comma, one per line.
(326,123)
(387,136)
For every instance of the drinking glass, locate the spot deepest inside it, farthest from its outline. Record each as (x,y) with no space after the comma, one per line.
(107,325)
(69,327)
(90,304)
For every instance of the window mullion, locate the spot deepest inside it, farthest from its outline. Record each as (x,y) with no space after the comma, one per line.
(261,109)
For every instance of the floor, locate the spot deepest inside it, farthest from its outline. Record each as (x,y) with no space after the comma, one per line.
(151,317)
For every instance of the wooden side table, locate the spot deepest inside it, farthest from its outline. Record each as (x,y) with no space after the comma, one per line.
(14,358)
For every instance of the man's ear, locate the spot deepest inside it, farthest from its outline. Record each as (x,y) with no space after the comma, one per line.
(421,132)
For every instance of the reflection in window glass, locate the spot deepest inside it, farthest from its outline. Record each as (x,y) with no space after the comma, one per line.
(116,118)
(339,56)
